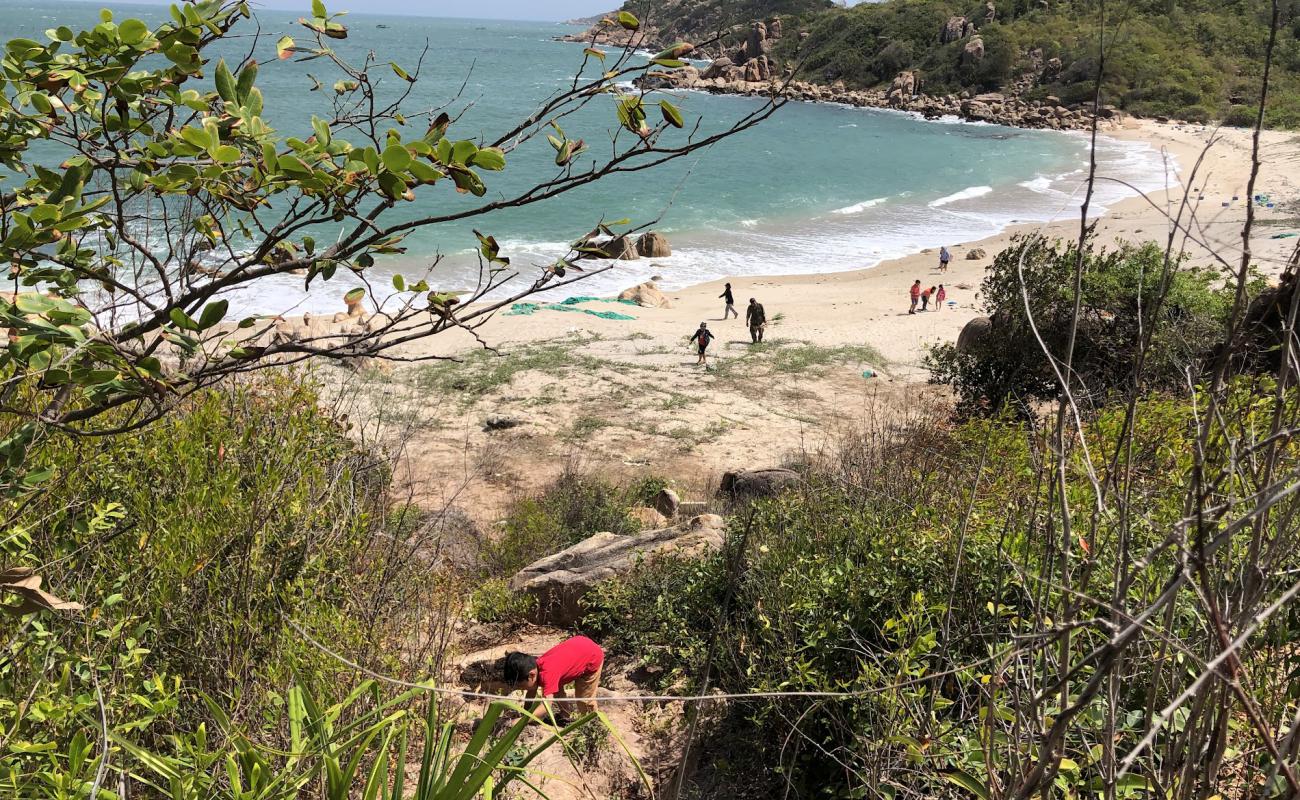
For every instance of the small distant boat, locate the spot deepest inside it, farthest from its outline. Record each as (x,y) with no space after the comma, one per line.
(381,25)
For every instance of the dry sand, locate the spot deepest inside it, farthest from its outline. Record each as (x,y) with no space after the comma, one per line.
(625,397)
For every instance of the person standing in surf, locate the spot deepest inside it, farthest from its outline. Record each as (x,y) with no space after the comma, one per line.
(944,258)
(701,339)
(731,303)
(915,294)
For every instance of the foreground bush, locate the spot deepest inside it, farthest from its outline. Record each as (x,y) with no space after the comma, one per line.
(190,543)
(922,568)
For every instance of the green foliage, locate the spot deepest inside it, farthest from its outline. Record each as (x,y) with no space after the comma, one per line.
(571,509)
(189,542)
(1127,293)
(1189,59)
(871,577)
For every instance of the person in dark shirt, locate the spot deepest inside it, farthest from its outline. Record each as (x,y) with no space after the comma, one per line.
(701,339)
(756,319)
(731,303)
(576,661)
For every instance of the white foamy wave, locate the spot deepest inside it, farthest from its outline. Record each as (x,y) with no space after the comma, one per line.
(749,223)
(1041,184)
(858,208)
(965,194)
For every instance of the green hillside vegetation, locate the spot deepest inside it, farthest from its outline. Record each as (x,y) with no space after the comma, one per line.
(1196,60)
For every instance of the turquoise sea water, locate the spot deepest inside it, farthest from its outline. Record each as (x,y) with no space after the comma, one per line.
(817,188)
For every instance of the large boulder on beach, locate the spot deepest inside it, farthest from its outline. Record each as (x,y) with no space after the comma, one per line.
(756,483)
(621,248)
(975,332)
(559,583)
(646,295)
(653,244)
(976,253)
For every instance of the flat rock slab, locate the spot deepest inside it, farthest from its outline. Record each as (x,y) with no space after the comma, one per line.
(560,582)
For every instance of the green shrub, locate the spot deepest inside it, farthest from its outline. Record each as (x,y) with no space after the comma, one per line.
(871,577)
(1122,291)
(191,542)
(571,509)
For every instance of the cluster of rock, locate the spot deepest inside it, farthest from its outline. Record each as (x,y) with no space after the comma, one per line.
(650,244)
(748,70)
(904,95)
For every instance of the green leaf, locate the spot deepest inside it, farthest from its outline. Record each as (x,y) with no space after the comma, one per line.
(628,21)
(225,82)
(132,32)
(399,283)
(594,53)
(424,173)
(197,137)
(318,9)
(401,73)
(226,154)
(291,163)
(246,78)
(212,314)
(968,782)
(668,63)
(397,158)
(354,296)
(490,158)
(284,47)
(183,321)
(322,130)
(41,103)
(671,115)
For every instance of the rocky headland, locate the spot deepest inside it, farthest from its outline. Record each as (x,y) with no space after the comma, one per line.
(751,69)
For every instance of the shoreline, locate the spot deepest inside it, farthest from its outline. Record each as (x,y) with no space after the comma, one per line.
(624,396)
(868,305)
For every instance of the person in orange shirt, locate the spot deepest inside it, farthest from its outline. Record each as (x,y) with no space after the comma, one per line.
(916,296)
(577,661)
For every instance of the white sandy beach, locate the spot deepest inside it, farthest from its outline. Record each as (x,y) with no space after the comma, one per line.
(629,399)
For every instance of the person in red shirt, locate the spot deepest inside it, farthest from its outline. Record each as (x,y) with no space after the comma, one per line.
(576,661)
(915,294)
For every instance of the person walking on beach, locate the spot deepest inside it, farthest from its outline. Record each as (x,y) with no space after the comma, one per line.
(915,294)
(576,661)
(944,258)
(939,297)
(701,339)
(756,319)
(731,303)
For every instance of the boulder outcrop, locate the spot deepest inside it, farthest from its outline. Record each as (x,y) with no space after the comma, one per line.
(954,29)
(974,332)
(646,295)
(757,483)
(621,248)
(653,244)
(561,581)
